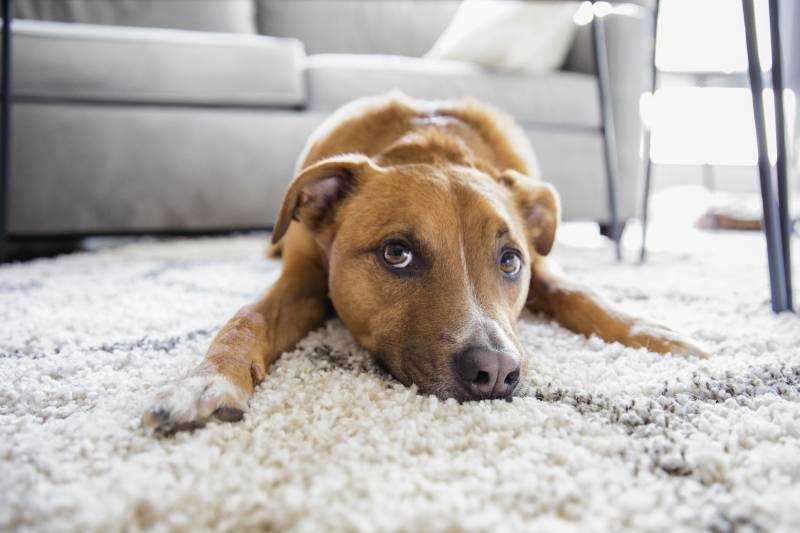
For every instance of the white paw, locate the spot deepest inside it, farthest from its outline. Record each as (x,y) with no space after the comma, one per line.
(661,339)
(189,402)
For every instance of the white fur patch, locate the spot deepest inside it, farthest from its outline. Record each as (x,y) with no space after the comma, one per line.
(195,398)
(680,345)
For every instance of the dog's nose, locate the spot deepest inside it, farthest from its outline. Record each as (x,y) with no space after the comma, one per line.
(487,374)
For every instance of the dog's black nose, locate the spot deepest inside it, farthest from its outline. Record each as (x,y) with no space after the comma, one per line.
(487,374)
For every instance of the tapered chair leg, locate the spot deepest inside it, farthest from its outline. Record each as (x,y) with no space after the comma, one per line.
(648,136)
(772,232)
(609,134)
(781,163)
(648,171)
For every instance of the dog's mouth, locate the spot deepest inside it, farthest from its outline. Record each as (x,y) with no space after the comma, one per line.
(426,382)
(443,387)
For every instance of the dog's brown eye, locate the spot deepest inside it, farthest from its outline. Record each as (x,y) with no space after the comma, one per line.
(397,255)
(510,263)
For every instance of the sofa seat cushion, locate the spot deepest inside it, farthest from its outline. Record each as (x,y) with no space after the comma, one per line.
(554,98)
(112,63)
(403,27)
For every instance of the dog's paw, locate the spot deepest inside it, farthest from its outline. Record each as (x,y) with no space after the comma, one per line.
(661,339)
(190,402)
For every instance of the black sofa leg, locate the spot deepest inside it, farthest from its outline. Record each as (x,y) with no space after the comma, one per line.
(606,229)
(5,117)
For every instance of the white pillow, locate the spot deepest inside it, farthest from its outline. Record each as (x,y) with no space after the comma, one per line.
(509,34)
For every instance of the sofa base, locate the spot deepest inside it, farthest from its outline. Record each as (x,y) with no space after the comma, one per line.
(110,169)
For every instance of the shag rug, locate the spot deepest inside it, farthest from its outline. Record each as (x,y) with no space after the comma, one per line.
(602,437)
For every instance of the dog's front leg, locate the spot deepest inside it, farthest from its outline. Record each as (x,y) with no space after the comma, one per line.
(580,309)
(241,353)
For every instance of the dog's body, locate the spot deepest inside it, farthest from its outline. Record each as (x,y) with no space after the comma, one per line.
(425,226)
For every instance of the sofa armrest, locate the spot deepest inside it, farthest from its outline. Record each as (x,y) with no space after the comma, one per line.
(629,41)
(148,65)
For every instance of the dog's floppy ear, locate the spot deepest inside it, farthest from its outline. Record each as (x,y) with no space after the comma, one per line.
(314,194)
(539,205)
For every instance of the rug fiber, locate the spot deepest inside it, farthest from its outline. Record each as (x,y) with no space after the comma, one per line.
(603,438)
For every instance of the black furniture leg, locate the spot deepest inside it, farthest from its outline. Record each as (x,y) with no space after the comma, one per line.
(781,164)
(648,170)
(609,135)
(768,199)
(5,117)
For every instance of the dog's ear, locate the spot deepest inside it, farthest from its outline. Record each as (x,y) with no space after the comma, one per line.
(539,205)
(316,192)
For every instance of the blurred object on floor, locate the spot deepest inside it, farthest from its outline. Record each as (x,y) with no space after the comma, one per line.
(736,211)
(732,211)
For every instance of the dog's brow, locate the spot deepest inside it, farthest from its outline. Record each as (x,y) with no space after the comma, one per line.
(390,230)
(502,232)
(394,226)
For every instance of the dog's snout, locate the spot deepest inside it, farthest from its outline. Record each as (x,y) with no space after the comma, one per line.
(487,374)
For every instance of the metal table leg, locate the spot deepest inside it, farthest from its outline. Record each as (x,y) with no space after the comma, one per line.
(768,198)
(5,117)
(781,163)
(648,170)
(609,135)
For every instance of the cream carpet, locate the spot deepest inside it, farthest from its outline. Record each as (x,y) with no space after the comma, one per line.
(605,438)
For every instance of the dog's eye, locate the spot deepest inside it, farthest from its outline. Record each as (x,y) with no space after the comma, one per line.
(510,263)
(397,255)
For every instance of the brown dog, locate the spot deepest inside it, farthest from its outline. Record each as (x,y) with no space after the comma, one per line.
(425,226)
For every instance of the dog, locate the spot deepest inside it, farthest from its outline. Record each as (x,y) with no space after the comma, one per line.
(426,228)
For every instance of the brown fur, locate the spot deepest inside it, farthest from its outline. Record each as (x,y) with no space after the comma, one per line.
(460,182)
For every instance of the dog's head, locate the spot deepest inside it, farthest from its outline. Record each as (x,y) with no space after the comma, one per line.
(429,266)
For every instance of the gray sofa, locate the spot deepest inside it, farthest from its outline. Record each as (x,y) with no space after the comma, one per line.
(137,128)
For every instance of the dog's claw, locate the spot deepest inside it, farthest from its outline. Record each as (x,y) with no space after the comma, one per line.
(168,429)
(228,414)
(159,415)
(189,403)
(258,372)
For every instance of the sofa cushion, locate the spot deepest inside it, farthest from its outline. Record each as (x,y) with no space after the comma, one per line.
(93,62)
(403,27)
(233,16)
(556,98)
(509,35)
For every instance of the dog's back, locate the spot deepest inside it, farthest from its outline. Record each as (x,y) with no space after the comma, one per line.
(393,128)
